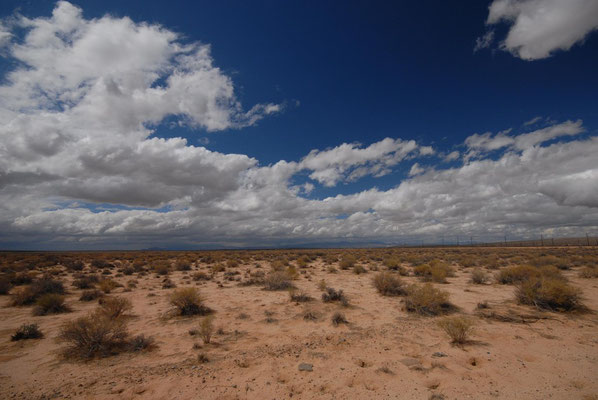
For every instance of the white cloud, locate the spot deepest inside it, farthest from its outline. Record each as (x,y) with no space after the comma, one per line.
(77,133)
(541,27)
(331,166)
(484,41)
(416,169)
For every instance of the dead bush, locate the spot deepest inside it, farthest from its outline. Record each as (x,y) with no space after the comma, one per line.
(338,318)
(27,331)
(206,329)
(50,303)
(94,335)
(299,297)
(107,285)
(141,343)
(187,301)
(347,262)
(458,328)
(548,293)
(434,272)
(516,274)
(90,295)
(359,269)
(115,307)
(331,295)
(478,276)
(589,272)
(427,300)
(277,280)
(389,284)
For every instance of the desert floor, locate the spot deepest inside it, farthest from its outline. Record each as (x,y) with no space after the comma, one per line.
(383,352)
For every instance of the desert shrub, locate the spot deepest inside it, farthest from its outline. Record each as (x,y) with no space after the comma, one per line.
(47,285)
(100,263)
(168,284)
(161,269)
(23,296)
(89,295)
(86,282)
(107,285)
(516,274)
(589,272)
(183,265)
(206,329)
(427,300)
(277,280)
(347,262)
(141,343)
(548,293)
(128,270)
(27,331)
(435,271)
(187,301)
(478,276)
(21,278)
(331,295)
(388,284)
(359,269)
(201,276)
(115,307)
(299,297)
(94,335)
(5,286)
(458,328)
(50,303)
(338,318)
(392,263)
(74,265)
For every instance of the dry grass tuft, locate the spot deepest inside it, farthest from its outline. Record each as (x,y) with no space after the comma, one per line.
(427,300)
(458,328)
(187,301)
(549,294)
(389,284)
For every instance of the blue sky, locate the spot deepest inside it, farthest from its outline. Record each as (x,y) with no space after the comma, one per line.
(286,79)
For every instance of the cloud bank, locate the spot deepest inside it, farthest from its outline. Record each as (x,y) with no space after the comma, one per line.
(81,166)
(539,28)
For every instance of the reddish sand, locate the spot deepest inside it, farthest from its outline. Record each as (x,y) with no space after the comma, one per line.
(384,352)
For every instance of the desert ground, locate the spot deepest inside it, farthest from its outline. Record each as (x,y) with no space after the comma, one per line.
(410,323)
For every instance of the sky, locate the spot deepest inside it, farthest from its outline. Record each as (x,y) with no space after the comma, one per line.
(235,124)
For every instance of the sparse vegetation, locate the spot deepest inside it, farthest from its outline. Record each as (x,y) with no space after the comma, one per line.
(50,303)
(458,328)
(206,329)
(277,280)
(339,318)
(427,300)
(479,277)
(334,295)
(115,307)
(389,284)
(187,301)
(548,293)
(27,331)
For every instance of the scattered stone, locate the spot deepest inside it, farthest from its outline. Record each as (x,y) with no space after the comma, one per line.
(439,354)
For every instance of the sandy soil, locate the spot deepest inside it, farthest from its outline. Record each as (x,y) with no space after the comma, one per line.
(383,353)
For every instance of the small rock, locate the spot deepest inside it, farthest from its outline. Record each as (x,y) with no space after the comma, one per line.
(439,354)
(305,367)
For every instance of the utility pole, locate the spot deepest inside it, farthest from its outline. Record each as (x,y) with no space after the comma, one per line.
(588,239)
(471,241)
(457,240)
(542,240)
(505,240)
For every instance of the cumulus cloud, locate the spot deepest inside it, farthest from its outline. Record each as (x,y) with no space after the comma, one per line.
(331,166)
(538,28)
(80,166)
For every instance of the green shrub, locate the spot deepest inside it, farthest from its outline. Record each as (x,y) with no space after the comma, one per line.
(388,284)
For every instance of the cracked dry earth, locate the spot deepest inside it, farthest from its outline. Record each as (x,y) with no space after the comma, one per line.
(382,353)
